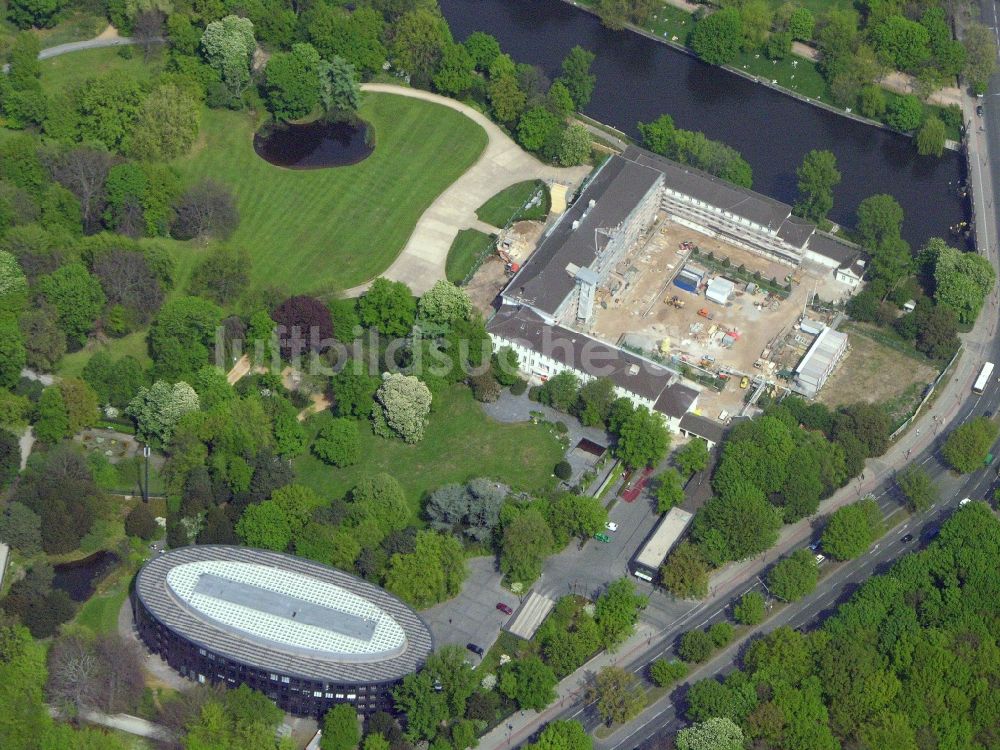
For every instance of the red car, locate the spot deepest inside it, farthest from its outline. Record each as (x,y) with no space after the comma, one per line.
(504,608)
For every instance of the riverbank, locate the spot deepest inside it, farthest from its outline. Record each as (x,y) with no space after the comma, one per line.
(672,22)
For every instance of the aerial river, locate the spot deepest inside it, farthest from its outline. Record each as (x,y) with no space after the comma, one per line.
(638,79)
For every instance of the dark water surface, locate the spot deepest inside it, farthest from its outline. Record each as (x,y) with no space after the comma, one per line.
(80,577)
(638,79)
(314,145)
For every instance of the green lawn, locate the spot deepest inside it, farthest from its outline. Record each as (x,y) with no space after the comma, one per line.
(66,70)
(99,614)
(505,205)
(314,230)
(468,246)
(794,73)
(461,442)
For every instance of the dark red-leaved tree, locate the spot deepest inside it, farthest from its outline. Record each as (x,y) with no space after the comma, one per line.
(307,324)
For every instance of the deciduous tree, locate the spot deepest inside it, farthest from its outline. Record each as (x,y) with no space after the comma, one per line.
(340,728)
(717,37)
(685,572)
(292,82)
(794,576)
(618,699)
(166,125)
(157,409)
(852,529)
(576,76)
(967,446)
(818,176)
(403,403)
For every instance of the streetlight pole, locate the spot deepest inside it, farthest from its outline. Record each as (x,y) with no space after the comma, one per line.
(145,454)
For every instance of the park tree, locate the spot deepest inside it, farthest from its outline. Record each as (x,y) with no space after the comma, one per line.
(40,14)
(871,102)
(801,24)
(685,572)
(643,439)
(794,576)
(749,610)
(380,497)
(129,285)
(737,525)
(13,355)
(221,276)
(157,409)
(852,529)
(537,127)
(917,487)
(575,515)
(561,391)
(717,37)
(692,458)
(166,125)
(980,55)
(618,698)
(206,210)
(962,281)
(109,104)
(140,523)
(353,391)
(418,43)
(13,282)
(433,572)
(80,402)
(304,325)
(77,298)
(338,443)
(529,682)
(228,45)
(506,98)
(339,90)
(617,612)
(388,306)
(483,48)
(340,728)
(818,176)
(265,525)
(563,734)
(931,137)
(905,113)
(575,146)
(901,43)
(669,490)
(880,219)
(443,305)
(402,405)
(20,526)
(52,424)
(718,733)
(456,71)
(968,445)
(83,170)
(527,541)
(291,82)
(756,19)
(354,36)
(505,366)
(576,76)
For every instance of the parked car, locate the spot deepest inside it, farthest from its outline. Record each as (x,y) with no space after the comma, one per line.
(630,490)
(979,110)
(611,526)
(602,538)
(907,539)
(964,501)
(477,650)
(504,608)
(820,557)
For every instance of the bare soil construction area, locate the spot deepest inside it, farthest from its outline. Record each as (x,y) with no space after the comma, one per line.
(730,338)
(875,373)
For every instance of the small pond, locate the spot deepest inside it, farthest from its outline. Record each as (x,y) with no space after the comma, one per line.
(80,577)
(315,145)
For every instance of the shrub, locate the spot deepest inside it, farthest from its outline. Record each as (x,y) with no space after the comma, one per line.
(561,427)
(535,393)
(518,387)
(338,443)
(563,470)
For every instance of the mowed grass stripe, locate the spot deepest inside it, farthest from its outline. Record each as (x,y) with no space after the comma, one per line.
(318,229)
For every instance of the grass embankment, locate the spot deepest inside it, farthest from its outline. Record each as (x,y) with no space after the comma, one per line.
(460,443)
(505,206)
(313,230)
(465,250)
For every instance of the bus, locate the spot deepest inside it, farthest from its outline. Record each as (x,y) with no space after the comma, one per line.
(984,378)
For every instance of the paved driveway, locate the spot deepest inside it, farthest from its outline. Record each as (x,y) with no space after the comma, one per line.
(472,616)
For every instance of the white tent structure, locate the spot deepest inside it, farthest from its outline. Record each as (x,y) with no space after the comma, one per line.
(720,290)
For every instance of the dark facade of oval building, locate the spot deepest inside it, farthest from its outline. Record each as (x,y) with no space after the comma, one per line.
(229,615)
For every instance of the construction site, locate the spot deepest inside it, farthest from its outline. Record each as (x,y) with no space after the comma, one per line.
(734,321)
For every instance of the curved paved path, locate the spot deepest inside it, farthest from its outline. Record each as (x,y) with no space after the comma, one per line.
(501,164)
(107,38)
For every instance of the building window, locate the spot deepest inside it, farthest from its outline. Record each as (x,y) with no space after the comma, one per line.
(285,680)
(274,677)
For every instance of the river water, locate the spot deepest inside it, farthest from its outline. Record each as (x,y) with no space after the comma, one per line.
(638,79)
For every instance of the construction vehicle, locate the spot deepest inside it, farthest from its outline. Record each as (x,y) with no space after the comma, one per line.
(703,312)
(674,301)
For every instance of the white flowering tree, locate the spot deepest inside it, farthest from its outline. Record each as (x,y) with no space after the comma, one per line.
(402,405)
(158,409)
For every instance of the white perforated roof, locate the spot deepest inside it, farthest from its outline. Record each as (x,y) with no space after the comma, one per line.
(292,610)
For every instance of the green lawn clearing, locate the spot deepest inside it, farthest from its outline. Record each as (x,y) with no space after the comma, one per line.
(67,70)
(461,442)
(505,206)
(467,248)
(315,230)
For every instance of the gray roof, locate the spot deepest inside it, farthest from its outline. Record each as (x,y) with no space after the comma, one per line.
(703,427)
(676,400)
(198,626)
(834,248)
(581,352)
(758,208)
(616,189)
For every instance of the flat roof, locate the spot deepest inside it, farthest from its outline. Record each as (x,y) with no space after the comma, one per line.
(663,538)
(616,189)
(283,614)
(822,355)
